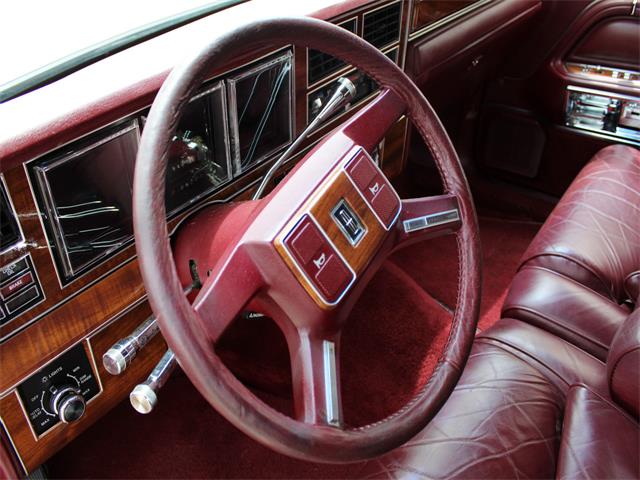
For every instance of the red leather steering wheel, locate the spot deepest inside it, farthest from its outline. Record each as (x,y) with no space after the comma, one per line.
(292,254)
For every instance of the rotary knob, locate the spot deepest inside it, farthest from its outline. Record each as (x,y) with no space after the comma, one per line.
(69,404)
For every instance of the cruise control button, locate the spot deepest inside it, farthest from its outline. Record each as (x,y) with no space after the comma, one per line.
(306,241)
(333,278)
(361,171)
(386,205)
(16,285)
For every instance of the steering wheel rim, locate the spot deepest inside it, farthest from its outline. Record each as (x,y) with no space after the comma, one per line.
(178,321)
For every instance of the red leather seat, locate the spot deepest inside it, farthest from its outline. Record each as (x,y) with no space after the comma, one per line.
(580,275)
(532,405)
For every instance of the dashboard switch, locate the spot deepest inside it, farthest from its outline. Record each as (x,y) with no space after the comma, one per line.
(59,391)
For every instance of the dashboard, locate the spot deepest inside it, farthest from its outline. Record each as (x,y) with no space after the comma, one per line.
(69,281)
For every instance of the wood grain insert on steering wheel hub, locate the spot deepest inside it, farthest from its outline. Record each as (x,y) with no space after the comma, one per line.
(323,252)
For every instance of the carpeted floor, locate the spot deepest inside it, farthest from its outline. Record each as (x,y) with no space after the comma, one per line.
(389,348)
(433,265)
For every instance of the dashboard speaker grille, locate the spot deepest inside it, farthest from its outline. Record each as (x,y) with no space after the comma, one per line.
(382,27)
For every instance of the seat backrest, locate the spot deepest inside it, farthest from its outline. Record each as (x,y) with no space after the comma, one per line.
(623,365)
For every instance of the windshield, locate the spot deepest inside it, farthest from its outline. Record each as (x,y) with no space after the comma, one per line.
(43,40)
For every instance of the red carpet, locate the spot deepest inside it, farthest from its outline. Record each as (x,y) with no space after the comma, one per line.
(433,265)
(389,348)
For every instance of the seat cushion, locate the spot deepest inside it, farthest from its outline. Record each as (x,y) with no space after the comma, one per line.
(623,364)
(566,308)
(504,418)
(599,440)
(593,234)
(502,421)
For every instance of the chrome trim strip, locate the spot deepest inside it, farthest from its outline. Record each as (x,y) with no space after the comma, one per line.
(408,228)
(331,383)
(445,20)
(603,93)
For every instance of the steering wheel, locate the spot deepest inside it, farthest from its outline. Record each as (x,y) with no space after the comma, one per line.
(303,253)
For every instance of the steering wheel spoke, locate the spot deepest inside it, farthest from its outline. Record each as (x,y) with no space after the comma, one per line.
(315,377)
(372,123)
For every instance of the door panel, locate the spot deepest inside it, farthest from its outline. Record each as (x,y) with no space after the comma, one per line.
(527,103)
(612,42)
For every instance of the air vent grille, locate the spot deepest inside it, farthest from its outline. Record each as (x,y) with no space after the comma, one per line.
(9,231)
(321,64)
(382,27)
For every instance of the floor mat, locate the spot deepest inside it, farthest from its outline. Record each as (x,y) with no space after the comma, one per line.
(434,264)
(389,348)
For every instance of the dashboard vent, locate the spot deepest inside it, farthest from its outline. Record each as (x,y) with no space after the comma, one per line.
(322,64)
(9,231)
(382,27)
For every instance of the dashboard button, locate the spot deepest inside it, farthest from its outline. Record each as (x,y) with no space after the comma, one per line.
(12,269)
(16,285)
(22,299)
